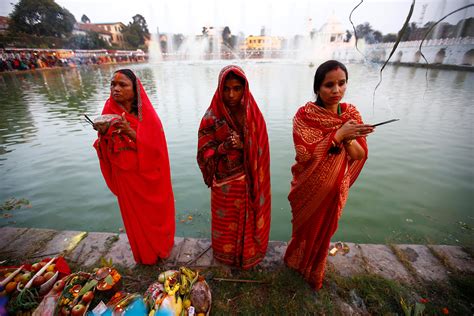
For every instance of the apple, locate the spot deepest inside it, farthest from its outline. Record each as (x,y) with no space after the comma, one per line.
(78,310)
(25,277)
(87,297)
(65,311)
(36,267)
(48,275)
(39,280)
(59,285)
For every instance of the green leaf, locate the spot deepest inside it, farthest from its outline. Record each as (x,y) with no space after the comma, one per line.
(109,280)
(88,286)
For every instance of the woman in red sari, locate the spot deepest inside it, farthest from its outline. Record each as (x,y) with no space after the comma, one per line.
(233,155)
(331,150)
(133,158)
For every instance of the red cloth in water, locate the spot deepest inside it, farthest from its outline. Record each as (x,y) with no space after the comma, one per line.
(138,173)
(239,179)
(320,187)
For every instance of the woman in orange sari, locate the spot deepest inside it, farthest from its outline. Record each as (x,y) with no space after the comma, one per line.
(233,155)
(331,149)
(133,158)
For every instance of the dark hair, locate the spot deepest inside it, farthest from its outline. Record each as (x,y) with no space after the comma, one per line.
(130,75)
(233,75)
(320,74)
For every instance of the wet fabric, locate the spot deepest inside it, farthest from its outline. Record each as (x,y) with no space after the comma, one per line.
(320,186)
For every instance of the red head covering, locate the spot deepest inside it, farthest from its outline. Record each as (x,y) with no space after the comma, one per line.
(151,141)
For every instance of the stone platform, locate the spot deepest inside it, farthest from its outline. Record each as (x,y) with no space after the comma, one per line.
(407,263)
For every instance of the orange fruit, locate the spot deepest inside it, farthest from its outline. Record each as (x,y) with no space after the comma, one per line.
(11,286)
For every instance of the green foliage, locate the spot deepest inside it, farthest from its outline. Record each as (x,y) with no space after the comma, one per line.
(41,18)
(85,19)
(136,32)
(378,294)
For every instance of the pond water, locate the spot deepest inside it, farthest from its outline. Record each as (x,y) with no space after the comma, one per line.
(417,186)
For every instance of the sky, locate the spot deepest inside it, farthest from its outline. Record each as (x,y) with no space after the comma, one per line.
(280,17)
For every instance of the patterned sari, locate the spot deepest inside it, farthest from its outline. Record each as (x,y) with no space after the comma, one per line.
(138,173)
(239,179)
(320,186)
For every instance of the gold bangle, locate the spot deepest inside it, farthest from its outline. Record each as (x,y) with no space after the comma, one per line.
(348,142)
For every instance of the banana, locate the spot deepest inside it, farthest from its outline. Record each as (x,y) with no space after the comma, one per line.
(188,272)
(184,288)
(174,289)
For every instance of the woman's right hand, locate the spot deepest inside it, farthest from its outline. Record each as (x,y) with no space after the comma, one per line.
(351,130)
(101,127)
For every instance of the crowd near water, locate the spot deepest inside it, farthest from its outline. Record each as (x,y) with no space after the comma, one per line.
(30,59)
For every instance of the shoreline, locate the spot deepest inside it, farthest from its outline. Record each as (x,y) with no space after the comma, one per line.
(370,279)
(392,261)
(404,64)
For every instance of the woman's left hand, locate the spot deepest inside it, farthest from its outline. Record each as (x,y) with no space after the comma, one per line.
(122,126)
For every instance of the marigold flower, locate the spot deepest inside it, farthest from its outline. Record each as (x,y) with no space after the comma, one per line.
(445,311)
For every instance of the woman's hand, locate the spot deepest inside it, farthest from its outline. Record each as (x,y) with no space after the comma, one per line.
(234,142)
(122,126)
(101,127)
(351,130)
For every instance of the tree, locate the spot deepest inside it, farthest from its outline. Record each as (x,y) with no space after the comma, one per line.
(364,30)
(377,36)
(348,36)
(42,18)
(85,19)
(140,20)
(227,37)
(390,37)
(136,32)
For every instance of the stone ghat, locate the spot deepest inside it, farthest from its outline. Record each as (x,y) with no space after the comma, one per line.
(406,263)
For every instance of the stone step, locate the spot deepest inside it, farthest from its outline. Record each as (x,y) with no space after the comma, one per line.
(407,263)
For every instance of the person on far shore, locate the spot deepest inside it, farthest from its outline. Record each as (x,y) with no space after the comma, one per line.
(133,157)
(331,149)
(233,155)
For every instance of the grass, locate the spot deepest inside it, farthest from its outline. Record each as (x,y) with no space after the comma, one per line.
(282,291)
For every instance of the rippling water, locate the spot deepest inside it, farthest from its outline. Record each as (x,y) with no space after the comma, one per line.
(417,185)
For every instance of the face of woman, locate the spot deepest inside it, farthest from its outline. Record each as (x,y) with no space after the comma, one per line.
(333,87)
(121,89)
(232,92)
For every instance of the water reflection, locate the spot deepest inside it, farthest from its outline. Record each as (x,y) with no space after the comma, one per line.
(16,120)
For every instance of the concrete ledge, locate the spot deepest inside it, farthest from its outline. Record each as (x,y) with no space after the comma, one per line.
(86,249)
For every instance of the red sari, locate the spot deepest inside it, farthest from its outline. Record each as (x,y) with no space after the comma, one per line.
(138,173)
(239,179)
(320,186)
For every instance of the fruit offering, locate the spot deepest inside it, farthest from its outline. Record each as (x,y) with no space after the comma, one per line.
(72,294)
(179,293)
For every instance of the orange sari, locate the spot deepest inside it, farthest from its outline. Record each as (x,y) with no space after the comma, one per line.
(239,179)
(138,173)
(320,186)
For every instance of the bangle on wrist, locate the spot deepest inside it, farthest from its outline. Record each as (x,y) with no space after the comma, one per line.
(348,142)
